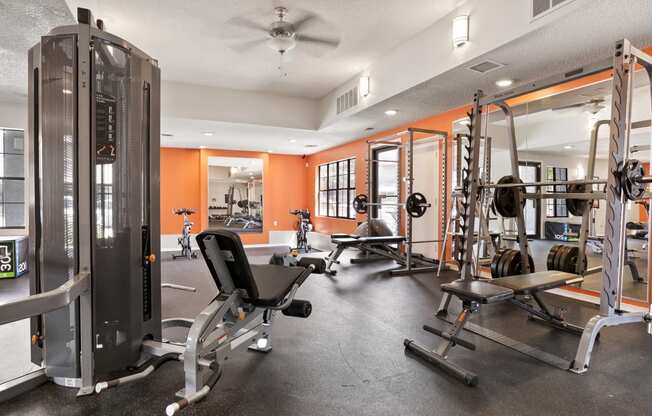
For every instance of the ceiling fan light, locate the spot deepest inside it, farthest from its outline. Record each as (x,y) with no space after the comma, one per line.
(281,44)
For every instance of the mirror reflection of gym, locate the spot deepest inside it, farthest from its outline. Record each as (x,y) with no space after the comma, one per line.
(235,194)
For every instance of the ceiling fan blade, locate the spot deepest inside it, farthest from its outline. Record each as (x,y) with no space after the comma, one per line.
(332,43)
(245,46)
(247,23)
(302,23)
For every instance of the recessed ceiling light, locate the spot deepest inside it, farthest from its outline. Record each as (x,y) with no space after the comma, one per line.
(67,92)
(293,140)
(311,145)
(368,129)
(504,83)
(391,113)
(167,134)
(568,146)
(202,147)
(207,133)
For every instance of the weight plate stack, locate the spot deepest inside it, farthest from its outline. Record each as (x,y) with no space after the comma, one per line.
(564,258)
(507,262)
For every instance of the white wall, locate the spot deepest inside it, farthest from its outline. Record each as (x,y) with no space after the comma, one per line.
(427,177)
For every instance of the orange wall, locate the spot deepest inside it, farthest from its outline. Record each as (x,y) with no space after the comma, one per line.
(184,183)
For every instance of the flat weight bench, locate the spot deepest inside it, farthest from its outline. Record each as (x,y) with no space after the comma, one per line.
(473,293)
(379,245)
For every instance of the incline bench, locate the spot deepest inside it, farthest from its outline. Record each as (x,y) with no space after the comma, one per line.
(381,246)
(473,293)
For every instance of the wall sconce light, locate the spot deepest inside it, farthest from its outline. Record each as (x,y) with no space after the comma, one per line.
(460,30)
(364,86)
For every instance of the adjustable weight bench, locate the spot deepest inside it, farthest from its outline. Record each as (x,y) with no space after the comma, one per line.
(381,246)
(240,315)
(473,293)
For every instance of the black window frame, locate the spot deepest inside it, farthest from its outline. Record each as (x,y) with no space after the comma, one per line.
(337,188)
(557,206)
(3,178)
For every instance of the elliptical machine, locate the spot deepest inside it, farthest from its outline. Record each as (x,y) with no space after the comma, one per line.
(303,226)
(184,240)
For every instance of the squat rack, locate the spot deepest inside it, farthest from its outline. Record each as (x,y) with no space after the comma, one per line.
(623,64)
(396,141)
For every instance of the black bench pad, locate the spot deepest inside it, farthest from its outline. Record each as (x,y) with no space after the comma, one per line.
(478,291)
(534,282)
(349,242)
(274,282)
(343,235)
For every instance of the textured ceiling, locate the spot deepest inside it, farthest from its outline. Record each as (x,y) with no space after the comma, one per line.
(22,23)
(579,38)
(191,38)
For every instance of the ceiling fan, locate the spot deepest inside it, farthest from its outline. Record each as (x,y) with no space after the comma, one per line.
(592,106)
(283,35)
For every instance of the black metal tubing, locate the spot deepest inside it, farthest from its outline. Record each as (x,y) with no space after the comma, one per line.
(467,377)
(456,340)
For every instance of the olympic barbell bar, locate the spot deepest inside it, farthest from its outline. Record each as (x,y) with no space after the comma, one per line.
(415,205)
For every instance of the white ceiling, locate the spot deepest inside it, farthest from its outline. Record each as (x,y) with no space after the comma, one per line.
(191,38)
(238,136)
(21,26)
(582,37)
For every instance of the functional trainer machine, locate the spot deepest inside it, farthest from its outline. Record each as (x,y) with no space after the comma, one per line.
(396,247)
(625,181)
(95,238)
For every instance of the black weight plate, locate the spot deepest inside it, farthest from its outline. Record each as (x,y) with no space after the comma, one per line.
(360,203)
(495,262)
(562,260)
(577,206)
(550,260)
(518,270)
(416,205)
(510,266)
(557,259)
(508,259)
(505,198)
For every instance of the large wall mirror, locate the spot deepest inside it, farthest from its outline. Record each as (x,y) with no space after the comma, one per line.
(235,194)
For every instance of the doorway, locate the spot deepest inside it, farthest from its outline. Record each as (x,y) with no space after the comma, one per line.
(531,172)
(386,187)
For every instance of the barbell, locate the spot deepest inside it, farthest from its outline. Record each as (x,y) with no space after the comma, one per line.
(631,176)
(415,205)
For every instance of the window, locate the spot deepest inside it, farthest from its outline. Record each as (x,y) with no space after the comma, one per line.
(337,189)
(12,179)
(556,207)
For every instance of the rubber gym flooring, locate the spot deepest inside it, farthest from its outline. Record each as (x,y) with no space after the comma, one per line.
(348,359)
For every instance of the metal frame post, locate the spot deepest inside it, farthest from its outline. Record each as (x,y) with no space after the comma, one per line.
(520,218)
(624,63)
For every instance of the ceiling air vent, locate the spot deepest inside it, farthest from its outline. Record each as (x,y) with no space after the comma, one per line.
(541,7)
(347,100)
(486,66)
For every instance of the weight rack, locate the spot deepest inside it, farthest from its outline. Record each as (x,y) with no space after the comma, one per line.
(396,141)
